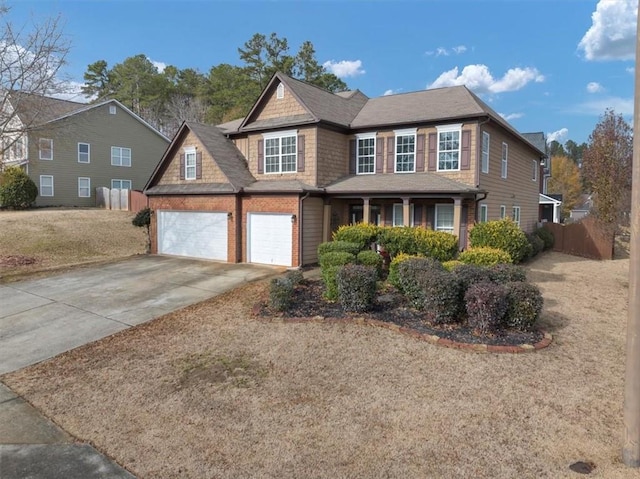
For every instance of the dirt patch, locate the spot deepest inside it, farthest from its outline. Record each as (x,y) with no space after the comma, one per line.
(346,400)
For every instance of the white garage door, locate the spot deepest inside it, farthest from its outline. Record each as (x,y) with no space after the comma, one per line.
(194,234)
(269,238)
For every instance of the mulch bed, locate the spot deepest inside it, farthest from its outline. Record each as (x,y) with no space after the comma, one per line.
(392,307)
(17,260)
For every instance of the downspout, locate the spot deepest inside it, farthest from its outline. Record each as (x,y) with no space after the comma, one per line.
(300,242)
(478,200)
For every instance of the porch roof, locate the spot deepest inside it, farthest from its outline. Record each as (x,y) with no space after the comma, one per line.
(280,186)
(407,183)
(191,188)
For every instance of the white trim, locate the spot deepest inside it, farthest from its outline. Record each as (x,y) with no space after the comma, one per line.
(112,109)
(41,187)
(449,129)
(482,152)
(367,136)
(279,134)
(536,167)
(116,179)
(40,140)
(406,132)
(514,210)
(504,159)
(88,187)
(452,127)
(401,222)
(88,152)
(187,152)
(435,218)
(484,213)
(121,148)
(402,133)
(280,91)
(503,212)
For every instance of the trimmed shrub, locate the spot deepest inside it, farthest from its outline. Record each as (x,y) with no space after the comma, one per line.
(504,273)
(502,234)
(357,287)
(412,274)
(362,233)
(486,304)
(417,241)
(295,276)
(537,245)
(484,256)
(468,274)
(142,219)
(546,236)
(17,190)
(394,277)
(329,265)
(441,301)
(370,258)
(338,246)
(280,293)
(524,305)
(451,265)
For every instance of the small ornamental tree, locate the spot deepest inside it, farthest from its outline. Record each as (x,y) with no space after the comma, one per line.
(143,220)
(17,190)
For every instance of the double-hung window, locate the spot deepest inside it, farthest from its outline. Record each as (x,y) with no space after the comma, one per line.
(484,213)
(45,147)
(398,214)
(84,153)
(120,184)
(516,215)
(405,151)
(280,152)
(84,187)
(46,185)
(503,211)
(366,154)
(534,171)
(486,140)
(190,164)
(505,160)
(449,147)
(120,156)
(444,218)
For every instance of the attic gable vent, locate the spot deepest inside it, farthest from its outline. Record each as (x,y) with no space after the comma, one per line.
(280,91)
(112,109)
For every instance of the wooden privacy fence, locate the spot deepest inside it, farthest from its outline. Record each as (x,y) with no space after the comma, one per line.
(115,199)
(585,238)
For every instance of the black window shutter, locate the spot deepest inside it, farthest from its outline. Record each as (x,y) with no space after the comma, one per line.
(420,153)
(388,215)
(380,155)
(391,154)
(260,156)
(352,157)
(465,160)
(417,215)
(182,166)
(199,165)
(431,217)
(301,153)
(433,151)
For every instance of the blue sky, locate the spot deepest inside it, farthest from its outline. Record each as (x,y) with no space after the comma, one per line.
(551,66)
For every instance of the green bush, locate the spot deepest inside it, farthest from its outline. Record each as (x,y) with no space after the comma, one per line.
(393,277)
(295,276)
(357,287)
(451,265)
(441,301)
(338,246)
(484,256)
(362,233)
(502,234)
(524,305)
(468,274)
(411,278)
(504,273)
(280,293)
(330,263)
(418,241)
(370,258)
(546,236)
(142,218)
(17,190)
(537,244)
(486,304)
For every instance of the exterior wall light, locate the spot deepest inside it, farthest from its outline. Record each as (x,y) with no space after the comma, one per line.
(293,219)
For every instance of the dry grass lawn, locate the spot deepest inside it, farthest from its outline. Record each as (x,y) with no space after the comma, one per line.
(210,391)
(50,239)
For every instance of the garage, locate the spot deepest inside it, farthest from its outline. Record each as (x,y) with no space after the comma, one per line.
(269,238)
(193,233)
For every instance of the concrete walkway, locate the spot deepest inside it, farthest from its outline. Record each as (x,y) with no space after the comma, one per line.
(42,318)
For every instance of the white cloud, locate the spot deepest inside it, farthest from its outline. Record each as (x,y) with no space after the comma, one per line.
(612,35)
(72,91)
(511,116)
(344,68)
(391,91)
(479,79)
(459,49)
(160,66)
(594,87)
(622,106)
(558,136)
(444,52)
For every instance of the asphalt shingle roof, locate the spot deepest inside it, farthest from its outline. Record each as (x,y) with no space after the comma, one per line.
(399,182)
(34,110)
(191,188)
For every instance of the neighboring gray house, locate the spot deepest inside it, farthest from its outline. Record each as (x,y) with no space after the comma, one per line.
(69,149)
(582,208)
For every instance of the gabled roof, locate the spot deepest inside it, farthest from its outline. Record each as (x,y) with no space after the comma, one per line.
(537,139)
(222,150)
(33,109)
(549,199)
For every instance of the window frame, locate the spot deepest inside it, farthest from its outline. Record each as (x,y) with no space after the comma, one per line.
(515,214)
(407,133)
(484,213)
(88,152)
(120,180)
(436,227)
(190,154)
(120,150)
(484,163)
(41,149)
(505,161)
(457,128)
(42,187)
(536,166)
(112,109)
(400,224)
(503,212)
(365,137)
(280,91)
(280,136)
(88,187)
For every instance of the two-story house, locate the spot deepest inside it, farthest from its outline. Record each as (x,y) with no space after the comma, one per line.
(69,149)
(270,187)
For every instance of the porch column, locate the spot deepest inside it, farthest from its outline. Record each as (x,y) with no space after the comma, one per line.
(326,222)
(406,212)
(366,211)
(457,215)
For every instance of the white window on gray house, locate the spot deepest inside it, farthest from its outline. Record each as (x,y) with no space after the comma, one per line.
(84,187)
(280,152)
(280,91)
(46,185)
(449,147)
(444,218)
(505,160)
(112,109)
(120,156)
(484,213)
(366,154)
(190,164)
(534,172)
(405,151)
(45,149)
(121,184)
(84,153)
(516,215)
(503,211)
(398,214)
(486,140)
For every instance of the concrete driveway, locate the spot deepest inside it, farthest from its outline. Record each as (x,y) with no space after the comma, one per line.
(42,318)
